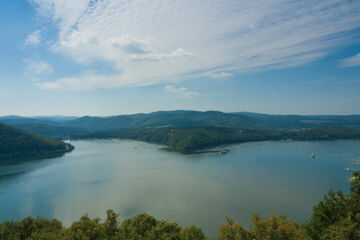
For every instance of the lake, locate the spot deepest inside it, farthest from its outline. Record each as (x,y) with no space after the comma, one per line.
(132,177)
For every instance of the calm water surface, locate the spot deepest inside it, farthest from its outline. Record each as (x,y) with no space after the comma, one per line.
(132,177)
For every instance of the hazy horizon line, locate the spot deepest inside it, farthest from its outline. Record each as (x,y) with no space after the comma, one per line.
(175,110)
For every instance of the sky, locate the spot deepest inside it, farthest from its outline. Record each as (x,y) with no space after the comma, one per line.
(112,57)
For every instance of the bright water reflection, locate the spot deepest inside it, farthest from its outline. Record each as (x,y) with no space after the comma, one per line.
(133,177)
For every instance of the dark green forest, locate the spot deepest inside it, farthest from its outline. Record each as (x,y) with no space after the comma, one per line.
(336,217)
(16,144)
(191,139)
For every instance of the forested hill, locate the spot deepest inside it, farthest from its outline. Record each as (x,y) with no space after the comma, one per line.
(47,130)
(162,119)
(182,118)
(191,139)
(64,126)
(16,144)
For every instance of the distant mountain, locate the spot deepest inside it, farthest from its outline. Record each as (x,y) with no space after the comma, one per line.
(13,120)
(50,130)
(57,126)
(243,120)
(162,119)
(58,118)
(47,126)
(16,144)
(269,121)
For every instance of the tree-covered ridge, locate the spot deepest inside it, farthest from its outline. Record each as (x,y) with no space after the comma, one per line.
(179,118)
(16,144)
(182,118)
(47,130)
(336,217)
(191,139)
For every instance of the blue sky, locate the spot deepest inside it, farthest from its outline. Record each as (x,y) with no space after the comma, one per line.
(114,57)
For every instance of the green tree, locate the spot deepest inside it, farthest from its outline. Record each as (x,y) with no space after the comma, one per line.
(138,228)
(86,229)
(337,216)
(273,228)
(192,233)
(111,226)
(233,231)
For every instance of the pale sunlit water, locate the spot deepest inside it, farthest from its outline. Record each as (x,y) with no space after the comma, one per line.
(132,177)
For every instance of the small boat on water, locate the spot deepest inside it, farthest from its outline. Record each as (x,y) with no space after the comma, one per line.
(350,169)
(313,155)
(356,161)
(224,151)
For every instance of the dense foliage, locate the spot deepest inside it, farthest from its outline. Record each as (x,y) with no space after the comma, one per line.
(190,139)
(140,227)
(16,144)
(336,217)
(274,228)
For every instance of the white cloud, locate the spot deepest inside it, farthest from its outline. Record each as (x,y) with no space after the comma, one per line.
(178,53)
(82,83)
(90,81)
(65,13)
(220,75)
(146,40)
(86,47)
(130,44)
(33,38)
(352,61)
(180,91)
(35,67)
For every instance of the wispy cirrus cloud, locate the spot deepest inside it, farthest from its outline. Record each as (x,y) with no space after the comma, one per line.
(37,67)
(180,91)
(220,75)
(147,40)
(33,38)
(178,53)
(351,62)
